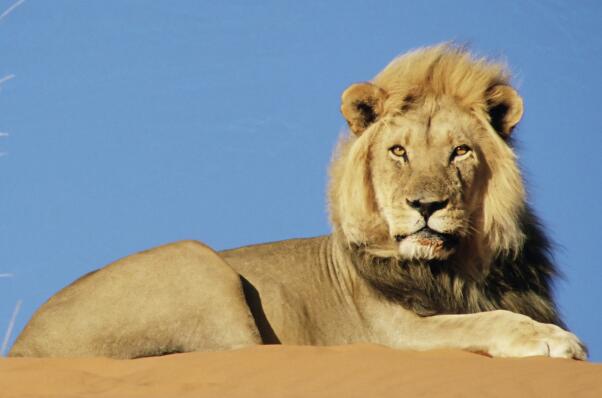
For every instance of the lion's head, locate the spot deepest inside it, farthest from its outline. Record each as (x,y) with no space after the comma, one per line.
(428,172)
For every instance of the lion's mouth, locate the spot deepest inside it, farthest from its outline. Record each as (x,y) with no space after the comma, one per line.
(429,237)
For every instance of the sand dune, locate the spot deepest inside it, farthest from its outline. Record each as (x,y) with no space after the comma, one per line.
(293,371)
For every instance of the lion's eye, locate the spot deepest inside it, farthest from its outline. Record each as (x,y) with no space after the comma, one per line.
(460,151)
(398,151)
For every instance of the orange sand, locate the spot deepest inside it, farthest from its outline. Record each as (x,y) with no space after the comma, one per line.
(291,371)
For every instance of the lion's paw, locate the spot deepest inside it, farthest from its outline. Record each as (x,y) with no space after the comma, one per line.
(520,336)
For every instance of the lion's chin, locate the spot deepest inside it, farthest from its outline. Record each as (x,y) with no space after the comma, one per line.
(426,244)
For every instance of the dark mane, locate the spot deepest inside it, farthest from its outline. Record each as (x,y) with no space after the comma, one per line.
(521,284)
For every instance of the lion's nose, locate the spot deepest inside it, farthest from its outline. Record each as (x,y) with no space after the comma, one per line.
(427,208)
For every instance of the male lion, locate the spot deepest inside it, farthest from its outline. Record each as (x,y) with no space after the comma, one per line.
(433,245)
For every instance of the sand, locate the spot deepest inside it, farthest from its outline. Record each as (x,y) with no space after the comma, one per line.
(294,371)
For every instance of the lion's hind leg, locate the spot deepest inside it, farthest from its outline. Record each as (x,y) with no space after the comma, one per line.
(175,298)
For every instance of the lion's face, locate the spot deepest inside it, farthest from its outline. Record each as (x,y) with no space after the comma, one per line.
(425,169)
(428,172)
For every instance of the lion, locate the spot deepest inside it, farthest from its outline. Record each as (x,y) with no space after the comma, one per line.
(433,244)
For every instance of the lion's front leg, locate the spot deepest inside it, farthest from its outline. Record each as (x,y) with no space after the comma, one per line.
(497,333)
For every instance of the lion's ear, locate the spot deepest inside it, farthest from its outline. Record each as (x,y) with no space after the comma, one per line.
(505,108)
(362,104)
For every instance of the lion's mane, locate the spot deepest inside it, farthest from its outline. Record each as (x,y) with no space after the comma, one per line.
(515,267)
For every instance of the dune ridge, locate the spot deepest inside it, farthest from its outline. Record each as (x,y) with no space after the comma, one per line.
(361,370)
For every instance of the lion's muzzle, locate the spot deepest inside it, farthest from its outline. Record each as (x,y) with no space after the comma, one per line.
(427,244)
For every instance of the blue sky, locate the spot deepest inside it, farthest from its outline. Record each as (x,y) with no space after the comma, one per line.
(136,123)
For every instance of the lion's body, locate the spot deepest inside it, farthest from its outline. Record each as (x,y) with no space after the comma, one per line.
(433,244)
(183,297)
